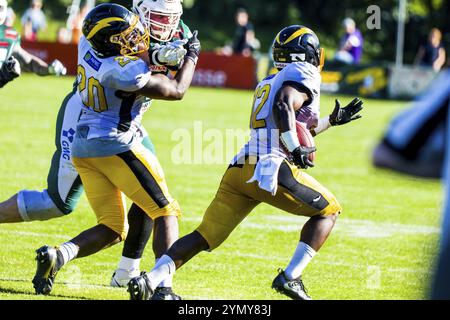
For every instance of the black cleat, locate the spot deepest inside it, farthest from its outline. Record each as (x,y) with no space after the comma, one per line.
(140,288)
(46,270)
(294,289)
(164,293)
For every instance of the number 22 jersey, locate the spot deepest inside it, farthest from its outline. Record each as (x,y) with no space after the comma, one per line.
(264,134)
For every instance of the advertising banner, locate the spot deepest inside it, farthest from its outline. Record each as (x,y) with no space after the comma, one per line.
(212,70)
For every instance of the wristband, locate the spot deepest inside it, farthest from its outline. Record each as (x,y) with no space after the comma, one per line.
(323,125)
(290,140)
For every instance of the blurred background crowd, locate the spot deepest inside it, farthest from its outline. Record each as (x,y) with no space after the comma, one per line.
(247,27)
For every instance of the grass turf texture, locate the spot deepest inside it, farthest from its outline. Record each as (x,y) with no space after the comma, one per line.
(382,247)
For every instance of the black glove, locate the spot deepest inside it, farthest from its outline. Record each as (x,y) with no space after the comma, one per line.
(300,157)
(347,114)
(9,71)
(193,47)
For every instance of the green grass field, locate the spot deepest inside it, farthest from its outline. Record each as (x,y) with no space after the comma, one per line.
(382,247)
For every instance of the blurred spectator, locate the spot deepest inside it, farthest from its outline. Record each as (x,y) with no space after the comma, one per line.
(63,35)
(351,46)
(77,24)
(244,42)
(10,17)
(33,20)
(432,53)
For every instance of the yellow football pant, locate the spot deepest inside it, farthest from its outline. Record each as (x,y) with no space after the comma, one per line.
(135,173)
(298,193)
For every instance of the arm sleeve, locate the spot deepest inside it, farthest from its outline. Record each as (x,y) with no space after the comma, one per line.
(29,62)
(131,77)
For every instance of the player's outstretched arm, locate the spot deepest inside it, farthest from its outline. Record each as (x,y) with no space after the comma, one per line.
(33,64)
(340,116)
(162,88)
(288,101)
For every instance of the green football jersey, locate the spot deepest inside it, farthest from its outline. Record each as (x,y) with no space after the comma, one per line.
(183,33)
(9,39)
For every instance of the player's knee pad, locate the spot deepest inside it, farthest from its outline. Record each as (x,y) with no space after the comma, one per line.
(333,208)
(37,206)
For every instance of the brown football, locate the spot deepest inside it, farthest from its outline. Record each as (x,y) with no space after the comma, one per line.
(305,138)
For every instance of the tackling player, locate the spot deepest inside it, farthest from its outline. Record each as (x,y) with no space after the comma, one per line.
(13,57)
(113,88)
(64,187)
(262,173)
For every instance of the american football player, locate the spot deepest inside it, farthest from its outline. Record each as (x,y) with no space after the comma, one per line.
(64,187)
(162,18)
(114,87)
(263,173)
(13,57)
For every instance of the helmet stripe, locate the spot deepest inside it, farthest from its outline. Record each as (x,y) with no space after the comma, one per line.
(102,24)
(297,34)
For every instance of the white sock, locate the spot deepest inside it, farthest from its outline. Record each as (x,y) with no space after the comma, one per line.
(167,282)
(68,251)
(164,268)
(129,264)
(302,257)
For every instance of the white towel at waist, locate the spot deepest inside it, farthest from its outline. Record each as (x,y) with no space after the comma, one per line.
(266,172)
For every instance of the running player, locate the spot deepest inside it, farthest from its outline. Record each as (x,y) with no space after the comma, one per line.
(262,173)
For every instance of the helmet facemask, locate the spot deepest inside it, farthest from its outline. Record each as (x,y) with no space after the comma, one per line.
(163,25)
(161,19)
(134,40)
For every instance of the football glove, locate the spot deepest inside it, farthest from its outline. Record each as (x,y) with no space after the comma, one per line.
(193,47)
(300,157)
(171,54)
(57,68)
(341,116)
(9,71)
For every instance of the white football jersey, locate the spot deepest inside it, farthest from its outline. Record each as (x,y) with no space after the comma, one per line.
(111,111)
(264,131)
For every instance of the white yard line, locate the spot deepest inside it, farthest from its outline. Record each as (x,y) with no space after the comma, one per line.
(34,234)
(356,228)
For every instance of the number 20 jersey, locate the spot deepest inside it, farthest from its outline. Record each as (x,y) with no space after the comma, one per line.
(264,135)
(110,121)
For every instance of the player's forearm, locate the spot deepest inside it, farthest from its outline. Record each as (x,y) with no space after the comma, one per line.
(162,88)
(184,77)
(323,125)
(31,63)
